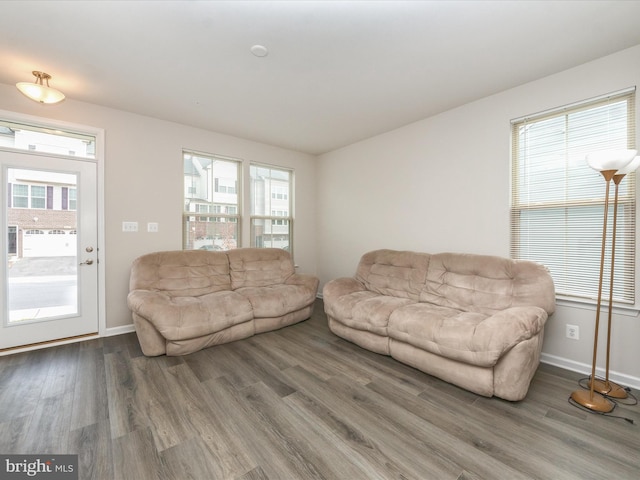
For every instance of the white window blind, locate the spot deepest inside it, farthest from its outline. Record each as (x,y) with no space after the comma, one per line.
(557,207)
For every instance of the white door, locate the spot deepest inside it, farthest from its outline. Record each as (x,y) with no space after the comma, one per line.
(49,271)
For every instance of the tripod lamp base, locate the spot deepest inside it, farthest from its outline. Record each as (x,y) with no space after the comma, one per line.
(595,401)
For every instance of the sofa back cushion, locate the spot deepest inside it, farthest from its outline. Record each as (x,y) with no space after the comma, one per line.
(181,273)
(391,272)
(259,267)
(487,284)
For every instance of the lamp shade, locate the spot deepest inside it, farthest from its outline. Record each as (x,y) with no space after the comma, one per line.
(40,92)
(631,167)
(610,159)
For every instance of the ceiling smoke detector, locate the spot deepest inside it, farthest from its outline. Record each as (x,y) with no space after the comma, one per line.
(259,50)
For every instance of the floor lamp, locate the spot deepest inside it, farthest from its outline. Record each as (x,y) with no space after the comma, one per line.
(608,163)
(606,387)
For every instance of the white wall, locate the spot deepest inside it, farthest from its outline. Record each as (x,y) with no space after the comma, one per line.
(144,183)
(443,184)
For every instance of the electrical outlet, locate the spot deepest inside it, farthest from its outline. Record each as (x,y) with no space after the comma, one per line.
(573,332)
(129,226)
(152,227)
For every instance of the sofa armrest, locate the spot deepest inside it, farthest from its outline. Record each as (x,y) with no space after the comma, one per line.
(151,340)
(341,286)
(137,299)
(304,280)
(518,323)
(502,331)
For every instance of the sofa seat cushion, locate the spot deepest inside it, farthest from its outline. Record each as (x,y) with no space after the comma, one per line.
(180,318)
(277,300)
(365,310)
(470,337)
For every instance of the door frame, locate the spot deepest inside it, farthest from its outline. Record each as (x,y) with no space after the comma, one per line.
(101,251)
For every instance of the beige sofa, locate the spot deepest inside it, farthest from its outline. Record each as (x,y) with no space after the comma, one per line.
(472,320)
(184,301)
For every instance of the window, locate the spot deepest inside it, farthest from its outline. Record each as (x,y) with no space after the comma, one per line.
(279,193)
(557,201)
(28,196)
(42,197)
(73,202)
(45,139)
(271,208)
(38,196)
(226,185)
(210,187)
(20,197)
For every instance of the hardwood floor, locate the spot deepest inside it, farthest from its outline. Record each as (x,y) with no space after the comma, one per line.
(298,403)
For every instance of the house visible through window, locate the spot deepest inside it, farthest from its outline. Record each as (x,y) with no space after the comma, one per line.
(557,201)
(46,140)
(271,207)
(42,197)
(210,187)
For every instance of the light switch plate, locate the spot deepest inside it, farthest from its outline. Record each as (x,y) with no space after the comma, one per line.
(129,227)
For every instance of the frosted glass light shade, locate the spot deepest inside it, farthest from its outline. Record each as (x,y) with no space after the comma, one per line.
(610,159)
(631,167)
(38,91)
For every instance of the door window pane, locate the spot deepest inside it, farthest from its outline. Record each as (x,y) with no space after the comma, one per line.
(42,254)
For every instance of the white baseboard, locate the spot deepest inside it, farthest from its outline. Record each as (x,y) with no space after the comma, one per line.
(110,332)
(619,378)
(53,343)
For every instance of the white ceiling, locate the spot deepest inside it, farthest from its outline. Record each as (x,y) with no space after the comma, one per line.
(337,71)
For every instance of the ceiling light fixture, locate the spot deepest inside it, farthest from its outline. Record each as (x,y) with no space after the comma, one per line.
(38,91)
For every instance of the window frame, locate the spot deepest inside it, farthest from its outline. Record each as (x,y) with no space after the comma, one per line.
(50,140)
(581,277)
(273,220)
(212,204)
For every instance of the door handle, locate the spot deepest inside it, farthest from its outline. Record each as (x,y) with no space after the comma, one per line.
(87,262)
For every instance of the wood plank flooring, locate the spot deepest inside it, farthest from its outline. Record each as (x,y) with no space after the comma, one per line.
(297,403)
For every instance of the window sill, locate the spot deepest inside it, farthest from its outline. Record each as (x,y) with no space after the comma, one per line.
(618,309)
